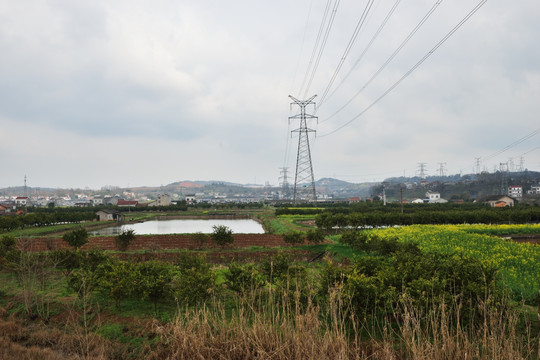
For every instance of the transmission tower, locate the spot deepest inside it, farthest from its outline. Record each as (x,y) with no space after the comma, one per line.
(477,167)
(304,181)
(521,164)
(284,181)
(421,170)
(442,170)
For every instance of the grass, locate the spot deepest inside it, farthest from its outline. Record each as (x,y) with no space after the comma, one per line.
(288,331)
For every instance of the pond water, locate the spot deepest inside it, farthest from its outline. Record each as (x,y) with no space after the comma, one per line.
(183,226)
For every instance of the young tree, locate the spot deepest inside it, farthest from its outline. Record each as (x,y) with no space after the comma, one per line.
(117,280)
(200,239)
(76,238)
(155,281)
(222,235)
(315,236)
(124,239)
(195,281)
(294,237)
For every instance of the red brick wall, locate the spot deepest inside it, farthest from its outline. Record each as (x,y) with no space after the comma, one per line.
(153,242)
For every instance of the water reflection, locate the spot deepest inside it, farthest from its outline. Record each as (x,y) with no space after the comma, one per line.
(184,226)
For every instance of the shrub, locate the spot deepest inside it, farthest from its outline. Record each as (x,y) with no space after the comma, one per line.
(294,237)
(315,236)
(275,266)
(243,277)
(117,280)
(124,239)
(155,281)
(76,238)
(195,281)
(222,235)
(199,239)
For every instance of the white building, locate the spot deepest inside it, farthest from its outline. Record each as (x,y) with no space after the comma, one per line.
(515,191)
(435,198)
(22,201)
(535,190)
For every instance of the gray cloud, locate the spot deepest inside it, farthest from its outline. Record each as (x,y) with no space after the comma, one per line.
(198,90)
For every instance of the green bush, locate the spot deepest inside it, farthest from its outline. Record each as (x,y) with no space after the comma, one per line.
(222,235)
(124,239)
(199,239)
(155,281)
(315,236)
(295,237)
(242,278)
(76,238)
(117,280)
(195,282)
(275,266)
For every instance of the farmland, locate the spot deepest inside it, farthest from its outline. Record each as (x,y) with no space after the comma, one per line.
(404,292)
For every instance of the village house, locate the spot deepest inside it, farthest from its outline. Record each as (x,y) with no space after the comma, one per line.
(435,198)
(162,200)
(22,201)
(498,201)
(515,191)
(109,215)
(534,190)
(190,199)
(126,203)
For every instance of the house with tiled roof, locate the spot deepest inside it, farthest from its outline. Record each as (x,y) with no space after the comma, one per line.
(127,203)
(22,201)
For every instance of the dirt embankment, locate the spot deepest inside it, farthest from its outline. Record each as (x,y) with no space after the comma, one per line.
(525,238)
(153,242)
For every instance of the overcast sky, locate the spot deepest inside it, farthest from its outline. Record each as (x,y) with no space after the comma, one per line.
(134,92)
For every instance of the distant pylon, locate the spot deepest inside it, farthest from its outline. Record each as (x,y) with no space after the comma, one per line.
(422,170)
(442,170)
(304,181)
(477,165)
(284,181)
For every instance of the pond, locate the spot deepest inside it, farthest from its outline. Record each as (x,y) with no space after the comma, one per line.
(183,226)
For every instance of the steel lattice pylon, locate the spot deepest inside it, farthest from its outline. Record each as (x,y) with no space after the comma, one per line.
(304,181)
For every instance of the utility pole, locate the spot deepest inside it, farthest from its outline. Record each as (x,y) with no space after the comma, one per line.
(401,198)
(25,187)
(304,181)
(503,167)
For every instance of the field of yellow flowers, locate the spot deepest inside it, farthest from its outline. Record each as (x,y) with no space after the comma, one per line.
(518,263)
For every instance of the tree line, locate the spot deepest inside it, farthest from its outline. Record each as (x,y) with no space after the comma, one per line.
(330,220)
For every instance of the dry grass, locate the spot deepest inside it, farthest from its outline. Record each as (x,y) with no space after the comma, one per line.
(35,340)
(290,332)
(266,326)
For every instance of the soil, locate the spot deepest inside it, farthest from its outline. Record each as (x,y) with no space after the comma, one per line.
(521,238)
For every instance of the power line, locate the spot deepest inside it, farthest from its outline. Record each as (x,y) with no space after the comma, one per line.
(411,70)
(321,27)
(348,48)
(303,42)
(394,54)
(323,45)
(515,143)
(536,148)
(368,46)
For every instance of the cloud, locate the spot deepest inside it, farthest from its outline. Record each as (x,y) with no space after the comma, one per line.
(146,92)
